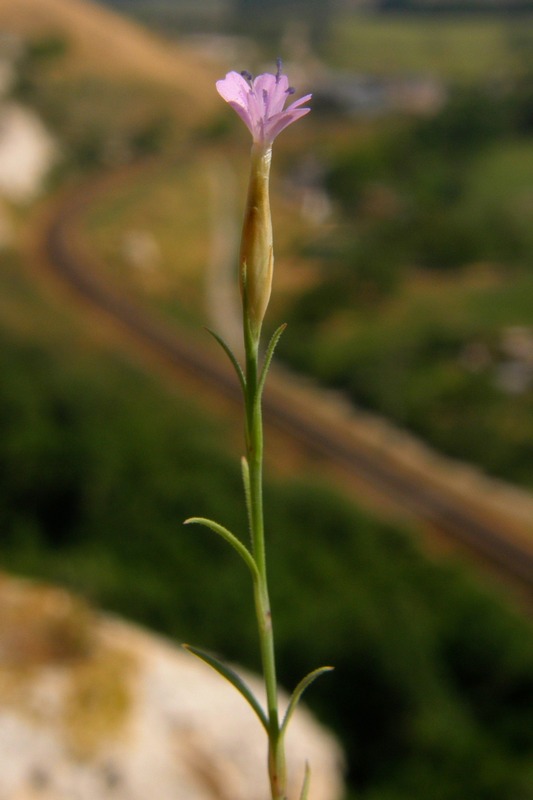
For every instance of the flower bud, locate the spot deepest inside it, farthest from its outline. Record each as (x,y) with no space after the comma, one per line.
(256,257)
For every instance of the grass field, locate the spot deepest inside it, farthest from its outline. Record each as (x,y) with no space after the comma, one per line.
(455,48)
(184,206)
(501,182)
(150,234)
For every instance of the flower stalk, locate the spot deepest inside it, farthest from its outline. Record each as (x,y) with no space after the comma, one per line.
(261,105)
(254,491)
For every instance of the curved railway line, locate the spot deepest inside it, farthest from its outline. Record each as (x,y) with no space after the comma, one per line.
(490,536)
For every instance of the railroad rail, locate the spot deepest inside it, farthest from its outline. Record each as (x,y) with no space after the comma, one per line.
(483,532)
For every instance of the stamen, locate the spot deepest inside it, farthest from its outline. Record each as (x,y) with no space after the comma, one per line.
(291,90)
(279,66)
(247,76)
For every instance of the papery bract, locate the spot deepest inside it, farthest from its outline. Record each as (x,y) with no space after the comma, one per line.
(260,102)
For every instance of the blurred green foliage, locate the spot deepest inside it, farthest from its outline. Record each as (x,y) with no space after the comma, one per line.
(433,689)
(431,264)
(99,122)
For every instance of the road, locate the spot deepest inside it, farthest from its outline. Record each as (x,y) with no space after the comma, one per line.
(306,418)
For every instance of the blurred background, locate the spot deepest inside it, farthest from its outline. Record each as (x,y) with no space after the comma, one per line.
(403,212)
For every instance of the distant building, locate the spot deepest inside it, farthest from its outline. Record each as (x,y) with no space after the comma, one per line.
(359,94)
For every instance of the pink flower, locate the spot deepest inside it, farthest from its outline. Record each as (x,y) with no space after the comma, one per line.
(260,102)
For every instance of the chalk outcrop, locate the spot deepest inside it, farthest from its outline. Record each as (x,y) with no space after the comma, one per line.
(92,707)
(27,152)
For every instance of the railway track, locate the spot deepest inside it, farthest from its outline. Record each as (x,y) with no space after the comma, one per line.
(466,521)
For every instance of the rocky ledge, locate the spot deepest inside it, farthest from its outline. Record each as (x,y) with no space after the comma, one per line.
(92,707)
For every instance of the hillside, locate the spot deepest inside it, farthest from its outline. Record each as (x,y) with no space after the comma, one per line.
(103,42)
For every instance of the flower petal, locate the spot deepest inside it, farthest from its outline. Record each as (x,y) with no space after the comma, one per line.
(280,94)
(299,102)
(261,103)
(272,90)
(234,89)
(281,121)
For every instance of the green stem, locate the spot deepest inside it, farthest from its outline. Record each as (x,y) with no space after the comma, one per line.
(254,445)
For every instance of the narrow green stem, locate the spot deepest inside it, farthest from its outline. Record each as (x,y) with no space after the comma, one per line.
(254,445)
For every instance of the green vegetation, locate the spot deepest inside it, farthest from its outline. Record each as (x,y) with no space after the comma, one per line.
(101,121)
(433,689)
(426,284)
(411,293)
(149,234)
(455,48)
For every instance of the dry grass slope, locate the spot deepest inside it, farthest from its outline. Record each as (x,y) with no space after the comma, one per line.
(103,42)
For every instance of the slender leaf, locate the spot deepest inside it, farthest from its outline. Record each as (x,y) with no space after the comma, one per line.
(231,356)
(268,357)
(236,543)
(307,780)
(230,675)
(300,689)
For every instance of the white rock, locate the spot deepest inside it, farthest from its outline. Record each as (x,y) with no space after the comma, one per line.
(130,716)
(26,153)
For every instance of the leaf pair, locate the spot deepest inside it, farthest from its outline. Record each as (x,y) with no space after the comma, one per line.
(266,364)
(236,681)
